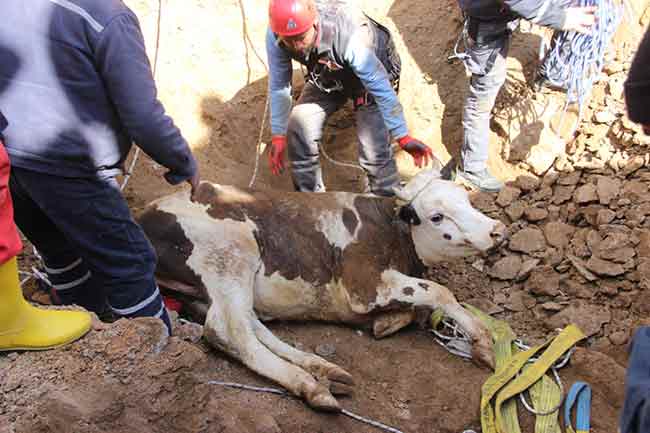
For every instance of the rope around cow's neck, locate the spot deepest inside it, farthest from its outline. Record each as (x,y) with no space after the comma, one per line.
(286,394)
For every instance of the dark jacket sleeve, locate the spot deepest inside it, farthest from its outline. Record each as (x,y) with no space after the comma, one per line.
(549,13)
(122,61)
(637,84)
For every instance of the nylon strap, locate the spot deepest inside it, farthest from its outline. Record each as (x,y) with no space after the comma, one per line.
(580,392)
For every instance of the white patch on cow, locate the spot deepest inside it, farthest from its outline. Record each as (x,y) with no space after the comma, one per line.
(225,254)
(330,223)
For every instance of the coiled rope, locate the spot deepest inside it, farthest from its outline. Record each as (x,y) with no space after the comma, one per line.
(575,60)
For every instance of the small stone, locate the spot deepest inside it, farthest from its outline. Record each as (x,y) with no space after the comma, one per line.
(507,195)
(506,268)
(516,301)
(562,193)
(586,194)
(633,165)
(325,350)
(552,306)
(581,267)
(604,267)
(558,234)
(544,282)
(527,241)
(535,213)
(527,183)
(605,216)
(570,179)
(618,338)
(605,117)
(515,210)
(485,305)
(526,268)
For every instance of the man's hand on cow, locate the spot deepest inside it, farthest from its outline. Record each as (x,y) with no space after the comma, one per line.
(194,182)
(418,150)
(580,19)
(276,154)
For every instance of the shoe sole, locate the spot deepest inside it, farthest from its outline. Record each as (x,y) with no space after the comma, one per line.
(472,186)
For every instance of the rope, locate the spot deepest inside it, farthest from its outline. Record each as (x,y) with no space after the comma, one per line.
(575,60)
(283,393)
(129,171)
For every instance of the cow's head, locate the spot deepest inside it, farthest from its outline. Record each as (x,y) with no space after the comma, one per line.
(443,222)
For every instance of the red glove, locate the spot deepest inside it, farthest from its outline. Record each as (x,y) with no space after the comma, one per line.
(418,150)
(276,153)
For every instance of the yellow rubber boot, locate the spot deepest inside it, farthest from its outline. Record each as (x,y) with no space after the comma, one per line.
(25,327)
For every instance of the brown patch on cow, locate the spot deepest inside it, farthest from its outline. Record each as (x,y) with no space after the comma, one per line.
(173,248)
(425,286)
(350,220)
(384,243)
(408,291)
(285,229)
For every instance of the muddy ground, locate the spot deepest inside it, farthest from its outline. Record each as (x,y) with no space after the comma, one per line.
(579,252)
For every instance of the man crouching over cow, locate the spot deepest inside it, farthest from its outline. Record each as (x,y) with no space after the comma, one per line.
(336,256)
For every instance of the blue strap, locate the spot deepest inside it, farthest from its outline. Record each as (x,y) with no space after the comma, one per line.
(580,392)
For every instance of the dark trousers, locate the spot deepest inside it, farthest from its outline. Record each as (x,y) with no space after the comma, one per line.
(94,253)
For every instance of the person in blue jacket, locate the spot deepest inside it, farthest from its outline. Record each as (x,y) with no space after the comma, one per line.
(347,55)
(77,85)
(490,25)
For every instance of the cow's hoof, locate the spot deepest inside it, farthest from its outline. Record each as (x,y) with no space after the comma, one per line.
(337,374)
(338,388)
(483,354)
(321,399)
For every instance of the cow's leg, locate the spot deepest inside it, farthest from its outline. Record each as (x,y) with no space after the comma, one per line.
(230,326)
(339,380)
(389,323)
(397,288)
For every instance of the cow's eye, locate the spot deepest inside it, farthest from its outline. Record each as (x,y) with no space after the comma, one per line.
(437,218)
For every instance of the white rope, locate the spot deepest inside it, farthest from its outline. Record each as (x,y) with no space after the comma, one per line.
(129,171)
(283,393)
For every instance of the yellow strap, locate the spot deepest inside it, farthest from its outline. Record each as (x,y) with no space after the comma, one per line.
(563,342)
(546,395)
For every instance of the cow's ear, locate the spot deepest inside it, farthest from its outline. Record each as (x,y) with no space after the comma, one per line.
(408,215)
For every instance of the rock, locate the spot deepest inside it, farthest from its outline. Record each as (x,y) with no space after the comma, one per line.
(604,267)
(643,247)
(325,350)
(633,165)
(575,289)
(544,193)
(507,195)
(570,179)
(535,213)
(608,287)
(526,268)
(484,202)
(506,268)
(527,241)
(605,216)
(605,117)
(527,183)
(558,234)
(615,241)
(552,306)
(618,338)
(544,282)
(562,193)
(516,210)
(593,241)
(636,191)
(589,318)
(586,194)
(581,267)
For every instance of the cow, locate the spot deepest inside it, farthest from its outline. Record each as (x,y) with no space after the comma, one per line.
(252,256)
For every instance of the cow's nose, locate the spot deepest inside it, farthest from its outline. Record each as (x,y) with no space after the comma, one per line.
(499,234)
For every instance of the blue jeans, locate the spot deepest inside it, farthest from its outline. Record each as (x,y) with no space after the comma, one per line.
(487,64)
(94,252)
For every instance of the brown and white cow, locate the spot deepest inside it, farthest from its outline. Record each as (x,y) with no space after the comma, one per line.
(254,256)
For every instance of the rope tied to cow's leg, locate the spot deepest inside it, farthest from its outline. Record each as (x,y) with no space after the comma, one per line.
(283,393)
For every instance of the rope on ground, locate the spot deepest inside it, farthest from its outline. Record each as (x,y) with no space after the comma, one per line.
(129,171)
(575,60)
(283,393)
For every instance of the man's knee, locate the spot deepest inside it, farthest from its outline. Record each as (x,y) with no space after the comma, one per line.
(305,123)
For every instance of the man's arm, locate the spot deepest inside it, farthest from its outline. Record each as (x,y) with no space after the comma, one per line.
(123,64)
(280,72)
(360,56)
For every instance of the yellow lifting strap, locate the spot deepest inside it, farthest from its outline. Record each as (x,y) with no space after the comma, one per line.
(506,383)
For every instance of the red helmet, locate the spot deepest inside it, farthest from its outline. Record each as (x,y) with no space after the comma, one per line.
(291,17)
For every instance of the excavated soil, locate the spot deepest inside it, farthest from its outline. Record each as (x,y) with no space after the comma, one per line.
(579,250)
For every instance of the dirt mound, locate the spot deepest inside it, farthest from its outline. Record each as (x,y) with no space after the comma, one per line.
(129,377)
